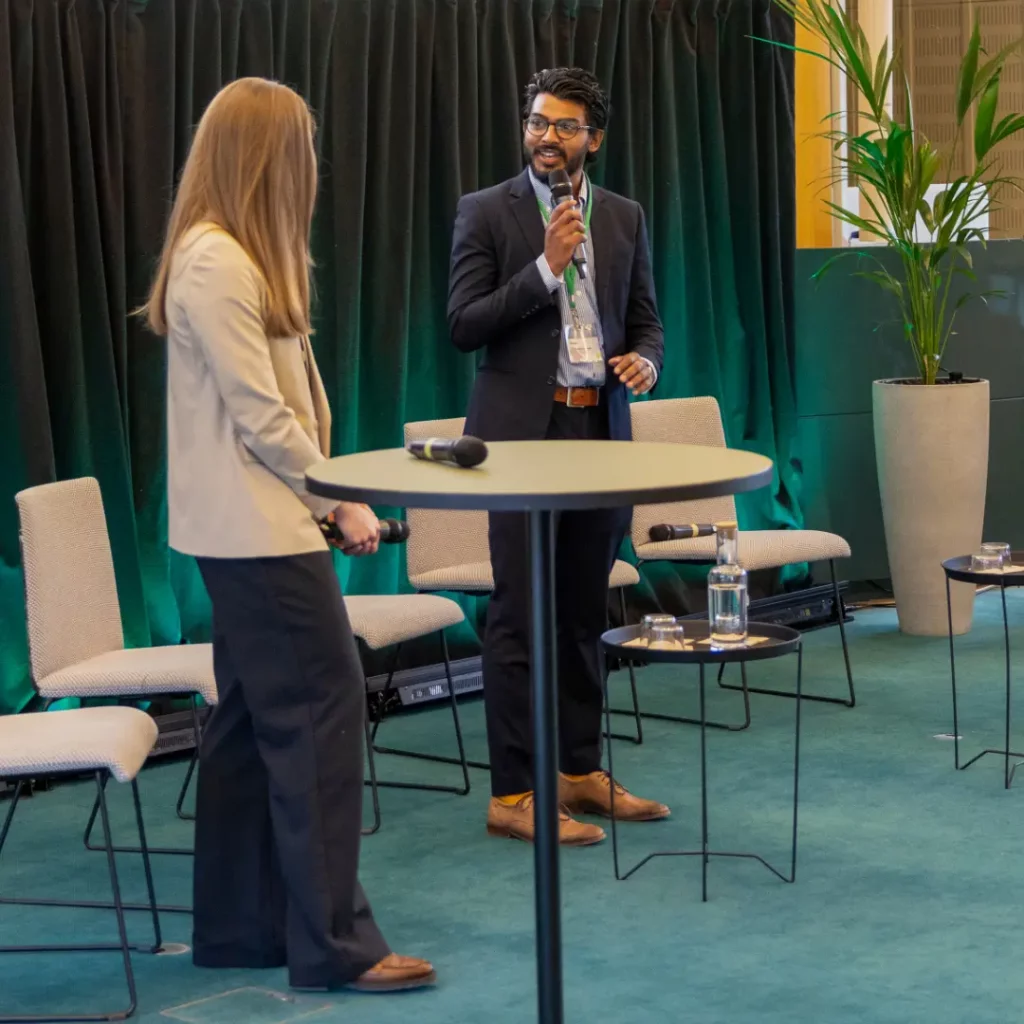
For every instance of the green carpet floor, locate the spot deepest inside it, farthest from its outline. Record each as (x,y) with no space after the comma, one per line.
(906,907)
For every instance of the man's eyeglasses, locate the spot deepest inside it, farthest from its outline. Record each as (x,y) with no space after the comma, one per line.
(537,125)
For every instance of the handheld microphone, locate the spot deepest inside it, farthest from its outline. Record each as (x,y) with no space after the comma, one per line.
(687,531)
(561,191)
(392,531)
(466,451)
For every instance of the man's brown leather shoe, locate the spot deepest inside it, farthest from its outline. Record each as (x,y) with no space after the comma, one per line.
(515,821)
(395,974)
(592,795)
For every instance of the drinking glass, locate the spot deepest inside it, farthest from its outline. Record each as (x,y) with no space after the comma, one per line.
(667,636)
(651,622)
(998,548)
(985,562)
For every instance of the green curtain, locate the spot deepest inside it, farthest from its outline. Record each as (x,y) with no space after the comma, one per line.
(417,102)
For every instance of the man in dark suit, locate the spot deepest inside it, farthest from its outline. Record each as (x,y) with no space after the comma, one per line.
(561,351)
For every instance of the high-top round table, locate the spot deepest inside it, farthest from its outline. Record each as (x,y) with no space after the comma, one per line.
(543,478)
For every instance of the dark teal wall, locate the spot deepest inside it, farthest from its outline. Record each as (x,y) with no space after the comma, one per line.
(847,336)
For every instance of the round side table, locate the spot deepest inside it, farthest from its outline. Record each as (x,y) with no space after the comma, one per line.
(543,478)
(959,570)
(770,641)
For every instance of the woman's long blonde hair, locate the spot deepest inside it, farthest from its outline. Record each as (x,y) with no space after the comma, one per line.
(251,171)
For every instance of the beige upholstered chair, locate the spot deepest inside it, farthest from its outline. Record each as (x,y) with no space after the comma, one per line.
(76,643)
(111,742)
(449,550)
(391,621)
(699,421)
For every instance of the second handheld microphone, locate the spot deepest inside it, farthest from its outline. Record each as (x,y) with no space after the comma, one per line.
(392,531)
(686,531)
(561,192)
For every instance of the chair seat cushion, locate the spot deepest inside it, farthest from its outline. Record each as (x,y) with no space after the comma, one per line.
(380,621)
(478,578)
(471,578)
(623,575)
(85,739)
(139,671)
(758,549)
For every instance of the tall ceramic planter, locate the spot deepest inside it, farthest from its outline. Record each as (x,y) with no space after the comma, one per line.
(931,448)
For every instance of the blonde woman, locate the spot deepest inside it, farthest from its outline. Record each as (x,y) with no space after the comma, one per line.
(281,762)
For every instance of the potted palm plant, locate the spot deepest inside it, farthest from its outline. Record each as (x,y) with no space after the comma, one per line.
(931,430)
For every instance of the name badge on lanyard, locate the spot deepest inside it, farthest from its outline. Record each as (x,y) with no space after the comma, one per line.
(582,342)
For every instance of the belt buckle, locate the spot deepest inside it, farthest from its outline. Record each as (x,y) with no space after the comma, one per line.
(569,401)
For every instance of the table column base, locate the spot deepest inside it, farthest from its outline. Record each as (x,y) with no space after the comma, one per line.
(544,679)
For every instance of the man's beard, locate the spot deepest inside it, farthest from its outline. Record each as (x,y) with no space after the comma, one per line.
(572,167)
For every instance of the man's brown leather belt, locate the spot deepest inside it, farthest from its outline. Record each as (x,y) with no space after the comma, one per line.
(578,398)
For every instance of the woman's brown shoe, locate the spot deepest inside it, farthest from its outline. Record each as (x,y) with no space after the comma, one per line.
(395,974)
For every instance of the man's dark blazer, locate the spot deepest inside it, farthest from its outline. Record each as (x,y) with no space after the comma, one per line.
(497,301)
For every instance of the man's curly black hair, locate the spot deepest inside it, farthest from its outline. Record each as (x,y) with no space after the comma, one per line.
(574,85)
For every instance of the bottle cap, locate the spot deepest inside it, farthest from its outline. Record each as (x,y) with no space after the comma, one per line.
(729,524)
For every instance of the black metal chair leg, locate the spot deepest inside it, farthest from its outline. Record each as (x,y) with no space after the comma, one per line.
(710,724)
(115,888)
(638,736)
(123,946)
(372,781)
(146,865)
(841,611)
(193,762)
(166,908)
(172,851)
(846,702)
(461,760)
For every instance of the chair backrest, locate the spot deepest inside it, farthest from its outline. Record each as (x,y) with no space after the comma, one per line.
(680,421)
(439,539)
(70,592)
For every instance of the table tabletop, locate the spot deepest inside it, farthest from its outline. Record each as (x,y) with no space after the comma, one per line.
(544,475)
(959,569)
(769,640)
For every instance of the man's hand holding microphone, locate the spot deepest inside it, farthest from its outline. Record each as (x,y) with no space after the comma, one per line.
(564,232)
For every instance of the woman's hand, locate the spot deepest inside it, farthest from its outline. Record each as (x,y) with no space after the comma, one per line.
(358,526)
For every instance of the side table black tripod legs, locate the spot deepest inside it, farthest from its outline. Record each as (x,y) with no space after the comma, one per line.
(706,852)
(1005,753)
(849,701)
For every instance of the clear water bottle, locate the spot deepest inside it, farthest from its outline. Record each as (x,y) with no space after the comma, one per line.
(727,591)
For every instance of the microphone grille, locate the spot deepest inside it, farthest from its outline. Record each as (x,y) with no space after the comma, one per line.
(469,451)
(561,186)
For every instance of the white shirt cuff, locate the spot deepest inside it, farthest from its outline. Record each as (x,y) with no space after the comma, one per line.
(550,280)
(654,369)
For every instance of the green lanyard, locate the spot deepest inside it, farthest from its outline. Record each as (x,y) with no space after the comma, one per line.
(570,271)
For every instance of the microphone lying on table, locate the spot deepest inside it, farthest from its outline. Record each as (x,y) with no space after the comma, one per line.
(686,531)
(466,451)
(392,531)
